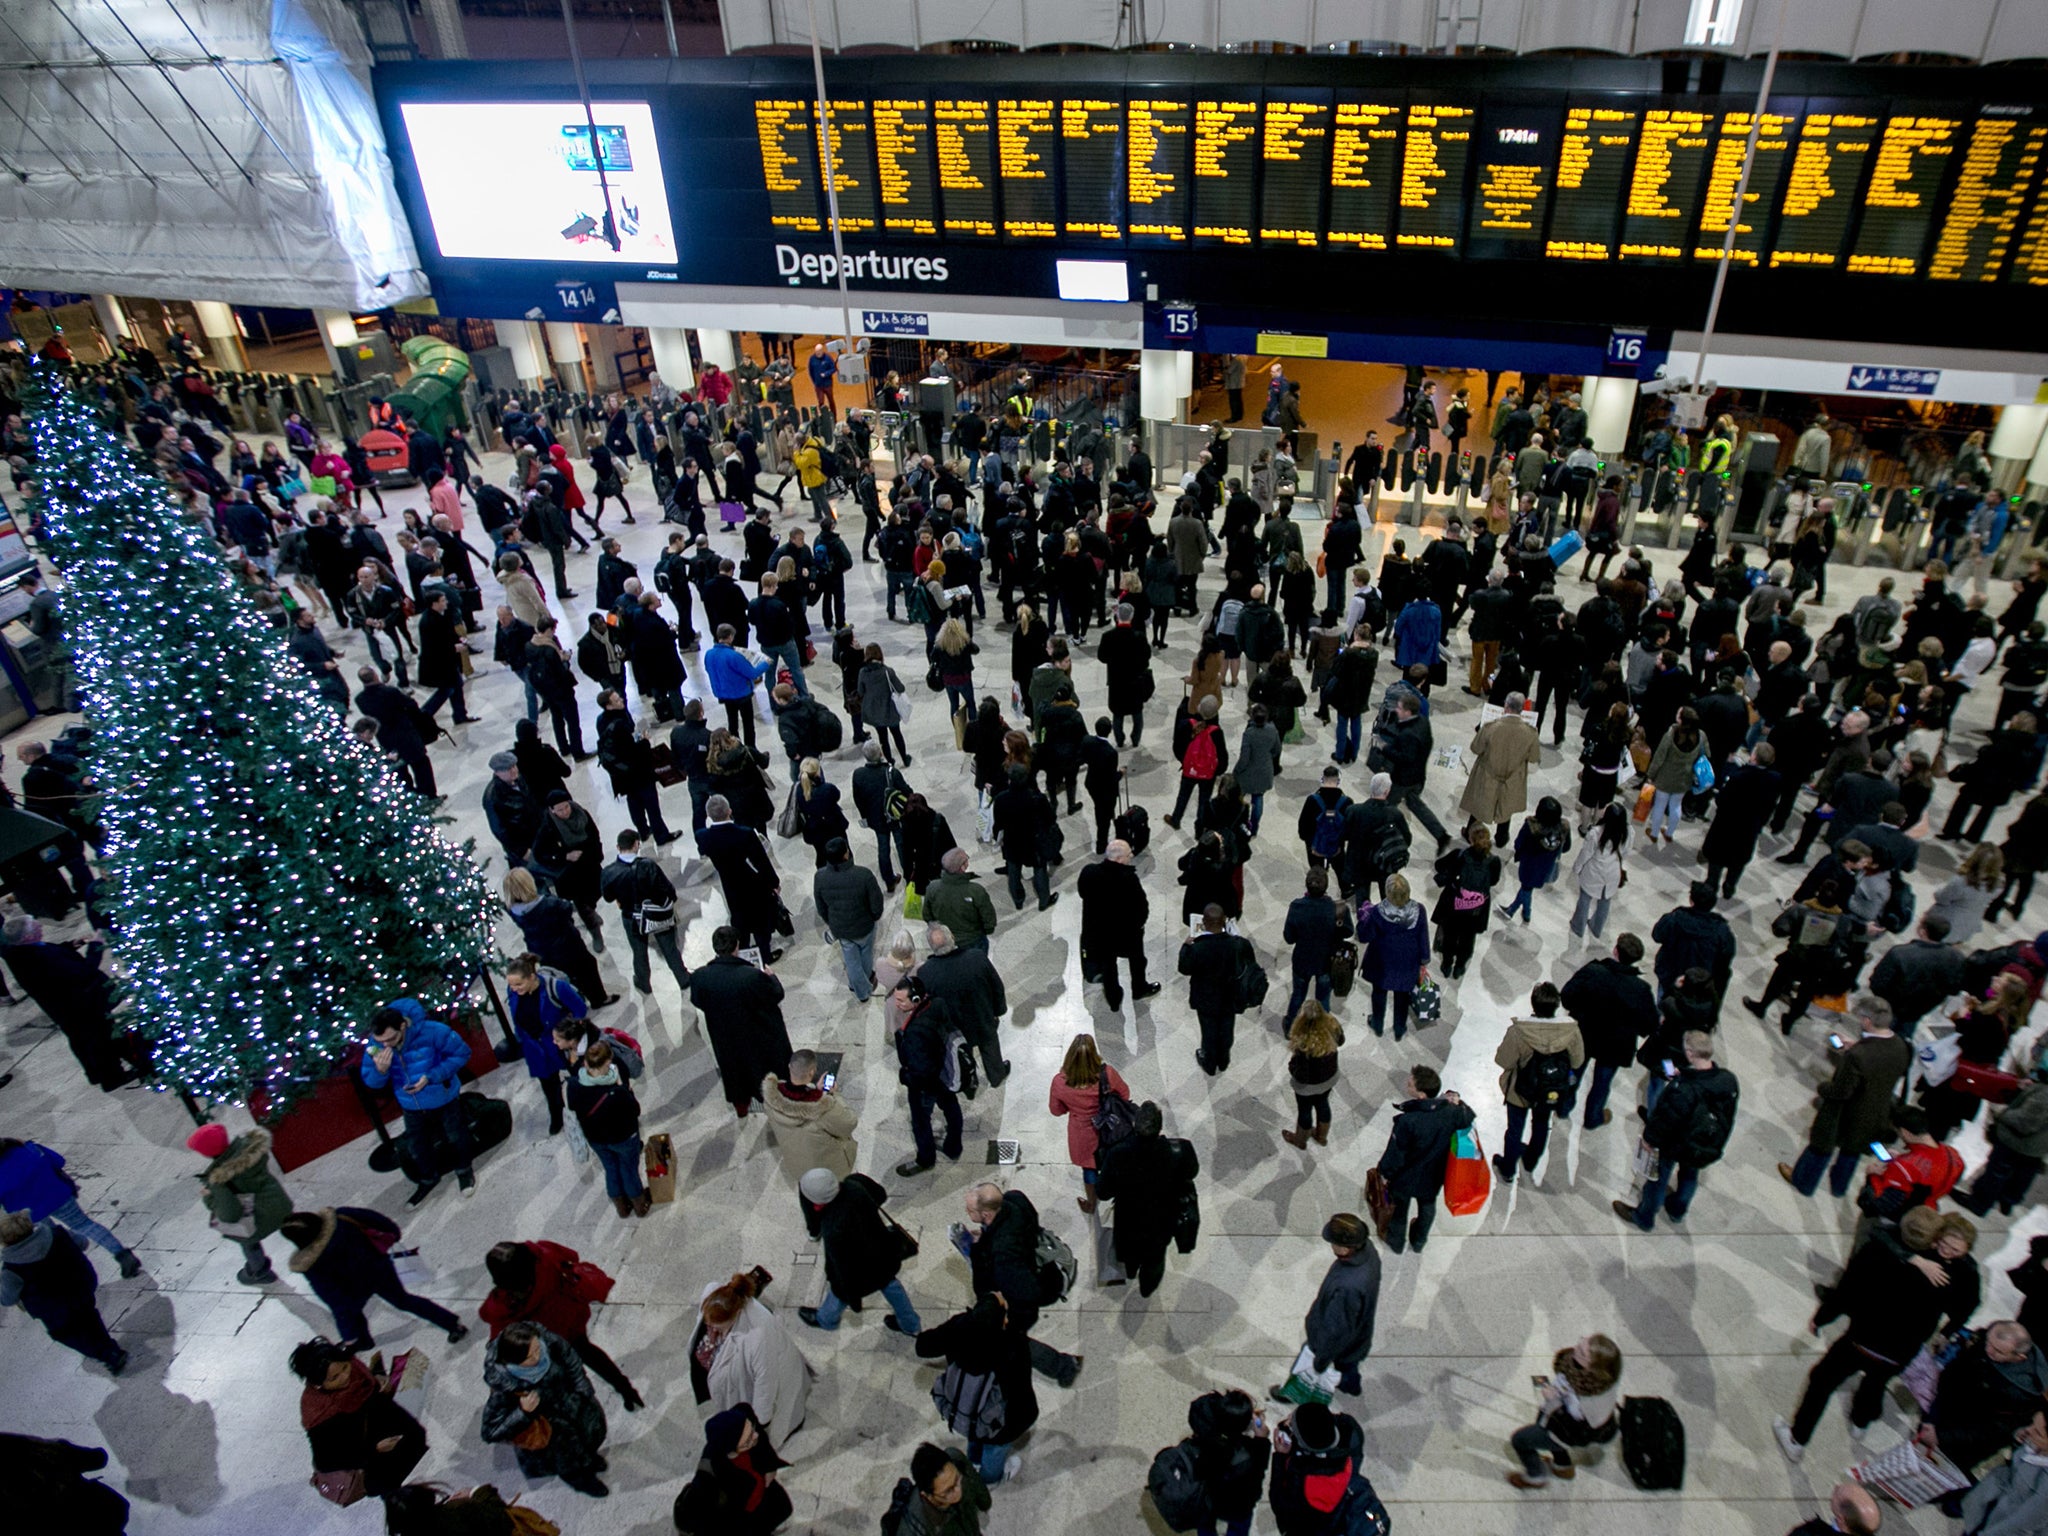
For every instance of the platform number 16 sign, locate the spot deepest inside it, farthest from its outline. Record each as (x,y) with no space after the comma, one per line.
(1625,347)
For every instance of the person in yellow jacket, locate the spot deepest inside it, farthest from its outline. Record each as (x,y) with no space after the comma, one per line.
(1709,483)
(810,472)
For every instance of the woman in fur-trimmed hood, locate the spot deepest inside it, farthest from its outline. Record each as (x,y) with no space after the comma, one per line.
(241,1193)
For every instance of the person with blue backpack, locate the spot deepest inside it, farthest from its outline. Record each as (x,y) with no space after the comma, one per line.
(421,1061)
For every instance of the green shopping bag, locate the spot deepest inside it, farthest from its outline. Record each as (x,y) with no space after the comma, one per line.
(1305,1384)
(324,485)
(913,901)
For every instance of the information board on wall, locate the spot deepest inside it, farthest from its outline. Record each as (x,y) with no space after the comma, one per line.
(1857,186)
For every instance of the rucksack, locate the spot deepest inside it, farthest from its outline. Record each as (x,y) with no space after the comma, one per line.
(1175,1483)
(971,1403)
(1553,839)
(1115,1121)
(1199,762)
(957,1070)
(899,1506)
(1390,848)
(830,732)
(1056,1267)
(1544,1078)
(1328,835)
(1706,1137)
(1360,1512)
(917,603)
(1652,1443)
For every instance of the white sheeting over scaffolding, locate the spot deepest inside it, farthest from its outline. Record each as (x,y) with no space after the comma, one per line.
(206,149)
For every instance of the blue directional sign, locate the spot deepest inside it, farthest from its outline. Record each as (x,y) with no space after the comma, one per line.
(894,322)
(1869,378)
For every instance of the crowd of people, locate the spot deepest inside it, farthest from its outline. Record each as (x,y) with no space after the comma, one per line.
(1715,702)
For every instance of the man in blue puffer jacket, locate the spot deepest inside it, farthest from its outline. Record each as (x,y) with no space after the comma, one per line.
(421,1060)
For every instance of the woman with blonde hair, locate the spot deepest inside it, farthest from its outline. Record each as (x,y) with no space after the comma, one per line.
(1985,1031)
(817,805)
(1077,1094)
(1968,894)
(953,663)
(742,1353)
(890,969)
(1077,582)
(1577,1408)
(1312,1042)
(1030,649)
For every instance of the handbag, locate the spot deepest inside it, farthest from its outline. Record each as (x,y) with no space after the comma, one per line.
(1981,1082)
(1379,1205)
(535,1434)
(1344,968)
(586,1282)
(343,1488)
(1426,1004)
(791,821)
(785,925)
(656,917)
(906,1245)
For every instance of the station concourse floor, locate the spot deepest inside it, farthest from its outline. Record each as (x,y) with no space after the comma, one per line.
(203,1429)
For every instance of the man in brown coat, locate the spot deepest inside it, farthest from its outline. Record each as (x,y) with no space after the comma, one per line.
(1539,1060)
(1855,1105)
(1503,752)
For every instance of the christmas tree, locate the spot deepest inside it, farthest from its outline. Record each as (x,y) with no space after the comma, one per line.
(274,883)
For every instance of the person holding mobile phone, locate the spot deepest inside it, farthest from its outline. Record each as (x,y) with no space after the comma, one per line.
(1578,1406)
(1856,1101)
(811,1125)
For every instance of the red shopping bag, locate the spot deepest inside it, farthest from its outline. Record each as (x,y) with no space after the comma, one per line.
(1468,1182)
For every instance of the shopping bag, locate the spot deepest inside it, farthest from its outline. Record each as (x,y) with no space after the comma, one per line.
(322,485)
(985,818)
(1642,811)
(1982,1082)
(1643,1165)
(913,902)
(1467,1181)
(660,1162)
(1937,1058)
(960,723)
(1910,1476)
(731,513)
(1922,1374)
(1305,1384)
(409,1374)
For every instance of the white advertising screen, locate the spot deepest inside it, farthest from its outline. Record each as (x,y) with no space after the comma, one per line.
(518,180)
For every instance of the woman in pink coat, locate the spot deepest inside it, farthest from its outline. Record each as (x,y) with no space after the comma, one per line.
(1077,1094)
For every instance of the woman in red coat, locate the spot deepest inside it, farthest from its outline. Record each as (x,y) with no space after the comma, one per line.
(572,493)
(545,1283)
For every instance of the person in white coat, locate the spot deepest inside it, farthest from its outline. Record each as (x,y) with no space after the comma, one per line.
(741,1353)
(1599,872)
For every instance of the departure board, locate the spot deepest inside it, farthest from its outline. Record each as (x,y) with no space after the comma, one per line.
(1092,155)
(1592,170)
(1724,175)
(1156,145)
(963,135)
(1024,150)
(851,152)
(2000,165)
(1898,206)
(1856,182)
(1434,154)
(1226,166)
(1294,159)
(1517,156)
(903,167)
(789,163)
(1835,149)
(1664,191)
(1364,165)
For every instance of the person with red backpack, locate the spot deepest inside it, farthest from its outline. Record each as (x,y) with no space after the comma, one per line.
(1198,743)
